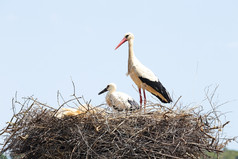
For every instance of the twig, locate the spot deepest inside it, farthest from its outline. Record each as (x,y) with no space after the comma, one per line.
(176,102)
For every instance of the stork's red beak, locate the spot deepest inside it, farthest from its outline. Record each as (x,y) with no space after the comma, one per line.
(122,41)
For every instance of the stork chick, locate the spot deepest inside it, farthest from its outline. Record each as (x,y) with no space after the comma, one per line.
(119,101)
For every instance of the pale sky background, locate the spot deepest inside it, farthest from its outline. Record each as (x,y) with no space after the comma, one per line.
(189,45)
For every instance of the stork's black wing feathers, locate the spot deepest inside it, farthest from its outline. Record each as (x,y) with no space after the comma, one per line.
(157,85)
(134,105)
(116,108)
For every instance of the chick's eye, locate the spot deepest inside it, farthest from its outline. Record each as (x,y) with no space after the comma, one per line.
(126,36)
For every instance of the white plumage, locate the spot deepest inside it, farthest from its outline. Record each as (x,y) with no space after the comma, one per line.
(142,76)
(82,109)
(119,101)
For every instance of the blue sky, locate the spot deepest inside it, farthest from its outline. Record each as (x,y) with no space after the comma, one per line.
(189,45)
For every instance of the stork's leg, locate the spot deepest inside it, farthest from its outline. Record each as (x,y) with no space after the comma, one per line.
(140,98)
(144,99)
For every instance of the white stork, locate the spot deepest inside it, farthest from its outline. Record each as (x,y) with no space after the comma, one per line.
(119,101)
(82,109)
(142,76)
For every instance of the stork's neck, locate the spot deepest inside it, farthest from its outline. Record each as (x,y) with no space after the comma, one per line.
(131,57)
(131,51)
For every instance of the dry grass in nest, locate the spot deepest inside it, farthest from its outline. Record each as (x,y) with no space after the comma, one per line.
(161,132)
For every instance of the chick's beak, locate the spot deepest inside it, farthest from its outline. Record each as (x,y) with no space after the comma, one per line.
(104,90)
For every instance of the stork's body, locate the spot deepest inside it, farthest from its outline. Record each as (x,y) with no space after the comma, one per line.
(119,101)
(82,109)
(143,77)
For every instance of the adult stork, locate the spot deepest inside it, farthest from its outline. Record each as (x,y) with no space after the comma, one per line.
(119,101)
(143,77)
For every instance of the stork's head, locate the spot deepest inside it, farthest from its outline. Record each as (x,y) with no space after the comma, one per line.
(128,36)
(111,88)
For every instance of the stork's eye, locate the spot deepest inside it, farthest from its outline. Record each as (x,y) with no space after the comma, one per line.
(126,36)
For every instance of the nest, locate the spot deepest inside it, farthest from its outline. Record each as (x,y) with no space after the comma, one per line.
(160,132)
